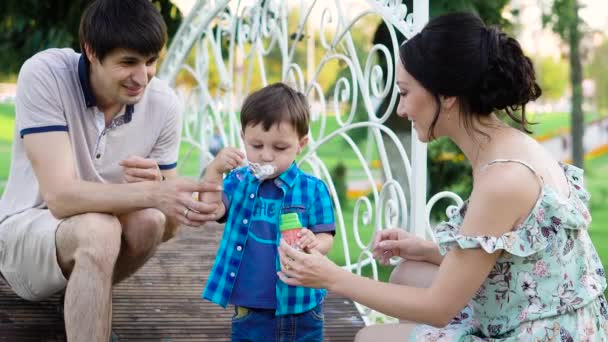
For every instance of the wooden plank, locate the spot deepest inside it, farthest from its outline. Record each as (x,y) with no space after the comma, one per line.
(161,302)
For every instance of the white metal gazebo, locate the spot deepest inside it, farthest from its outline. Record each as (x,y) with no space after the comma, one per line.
(224,47)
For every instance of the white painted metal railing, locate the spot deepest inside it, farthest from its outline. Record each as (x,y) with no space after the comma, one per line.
(223,47)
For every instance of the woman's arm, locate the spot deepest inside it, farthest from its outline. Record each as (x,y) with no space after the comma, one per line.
(437,305)
(494,208)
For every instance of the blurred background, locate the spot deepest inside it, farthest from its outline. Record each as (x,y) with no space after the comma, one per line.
(566,39)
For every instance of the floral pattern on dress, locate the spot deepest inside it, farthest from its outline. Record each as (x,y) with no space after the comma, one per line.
(548,283)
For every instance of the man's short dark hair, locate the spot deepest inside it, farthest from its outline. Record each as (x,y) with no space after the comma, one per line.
(275,104)
(136,25)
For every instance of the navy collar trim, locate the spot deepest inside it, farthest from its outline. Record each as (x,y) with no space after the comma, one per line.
(85,83)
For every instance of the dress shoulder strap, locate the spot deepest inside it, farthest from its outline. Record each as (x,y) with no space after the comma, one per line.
(527,165)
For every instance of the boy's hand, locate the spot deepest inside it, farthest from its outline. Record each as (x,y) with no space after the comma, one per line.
(308,240)
(227,159)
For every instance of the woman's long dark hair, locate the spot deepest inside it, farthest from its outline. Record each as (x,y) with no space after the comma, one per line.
(457,55)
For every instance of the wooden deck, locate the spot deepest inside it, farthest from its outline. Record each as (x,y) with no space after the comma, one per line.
(161,302)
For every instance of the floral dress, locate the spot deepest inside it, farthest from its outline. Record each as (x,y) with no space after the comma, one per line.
(548,283)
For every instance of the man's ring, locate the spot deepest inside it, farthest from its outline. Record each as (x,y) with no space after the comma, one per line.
(186,211)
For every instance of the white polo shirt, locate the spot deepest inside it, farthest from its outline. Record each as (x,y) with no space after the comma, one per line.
(54,94)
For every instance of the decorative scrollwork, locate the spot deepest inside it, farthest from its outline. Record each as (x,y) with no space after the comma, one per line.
(224,47)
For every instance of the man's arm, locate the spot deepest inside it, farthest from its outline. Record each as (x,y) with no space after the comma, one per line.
(66,195)
(138,169)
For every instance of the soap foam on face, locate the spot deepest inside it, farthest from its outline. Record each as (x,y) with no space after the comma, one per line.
(262,171)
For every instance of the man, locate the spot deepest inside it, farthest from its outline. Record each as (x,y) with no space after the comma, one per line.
(93,189)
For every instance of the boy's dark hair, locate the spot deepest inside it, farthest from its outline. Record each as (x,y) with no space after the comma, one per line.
(274,104)
(136,25)
(458,55)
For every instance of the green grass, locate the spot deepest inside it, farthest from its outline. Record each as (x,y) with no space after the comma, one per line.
(595,178)
(7,124)
(552,123)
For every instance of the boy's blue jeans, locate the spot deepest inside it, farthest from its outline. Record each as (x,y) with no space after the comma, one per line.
(261,325)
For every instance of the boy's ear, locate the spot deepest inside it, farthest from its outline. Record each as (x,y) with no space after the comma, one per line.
(303,142)
(242,135)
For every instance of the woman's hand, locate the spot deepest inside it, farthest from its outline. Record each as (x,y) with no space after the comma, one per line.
(393,242)
(309,270)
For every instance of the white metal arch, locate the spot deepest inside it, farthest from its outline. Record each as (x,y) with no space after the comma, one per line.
(227,43)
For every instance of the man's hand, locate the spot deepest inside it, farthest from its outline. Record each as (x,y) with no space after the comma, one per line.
(227,159)
(174,198)
(138,169)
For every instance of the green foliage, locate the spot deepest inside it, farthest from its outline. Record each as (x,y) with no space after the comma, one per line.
(560,16)
(29,26)
(552,77)
(598,71)
(489,11)
(448,171)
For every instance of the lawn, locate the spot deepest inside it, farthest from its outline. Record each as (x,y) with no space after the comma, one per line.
(554,123)
(595,178)
(7,123)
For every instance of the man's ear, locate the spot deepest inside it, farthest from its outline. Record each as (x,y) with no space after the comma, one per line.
(89,54)
(303,143)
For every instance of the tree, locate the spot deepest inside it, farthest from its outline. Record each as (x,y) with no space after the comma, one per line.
(29,26)
(489,11)
(598,71)
(552,77)
(564,20)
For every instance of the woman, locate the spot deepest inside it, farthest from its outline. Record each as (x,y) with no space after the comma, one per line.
(515,263)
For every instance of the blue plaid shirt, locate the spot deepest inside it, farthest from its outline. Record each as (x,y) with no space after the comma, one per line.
(302,193)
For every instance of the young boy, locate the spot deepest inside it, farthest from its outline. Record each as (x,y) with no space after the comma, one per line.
(275,122)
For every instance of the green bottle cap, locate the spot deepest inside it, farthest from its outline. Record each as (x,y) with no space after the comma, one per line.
(290,221)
